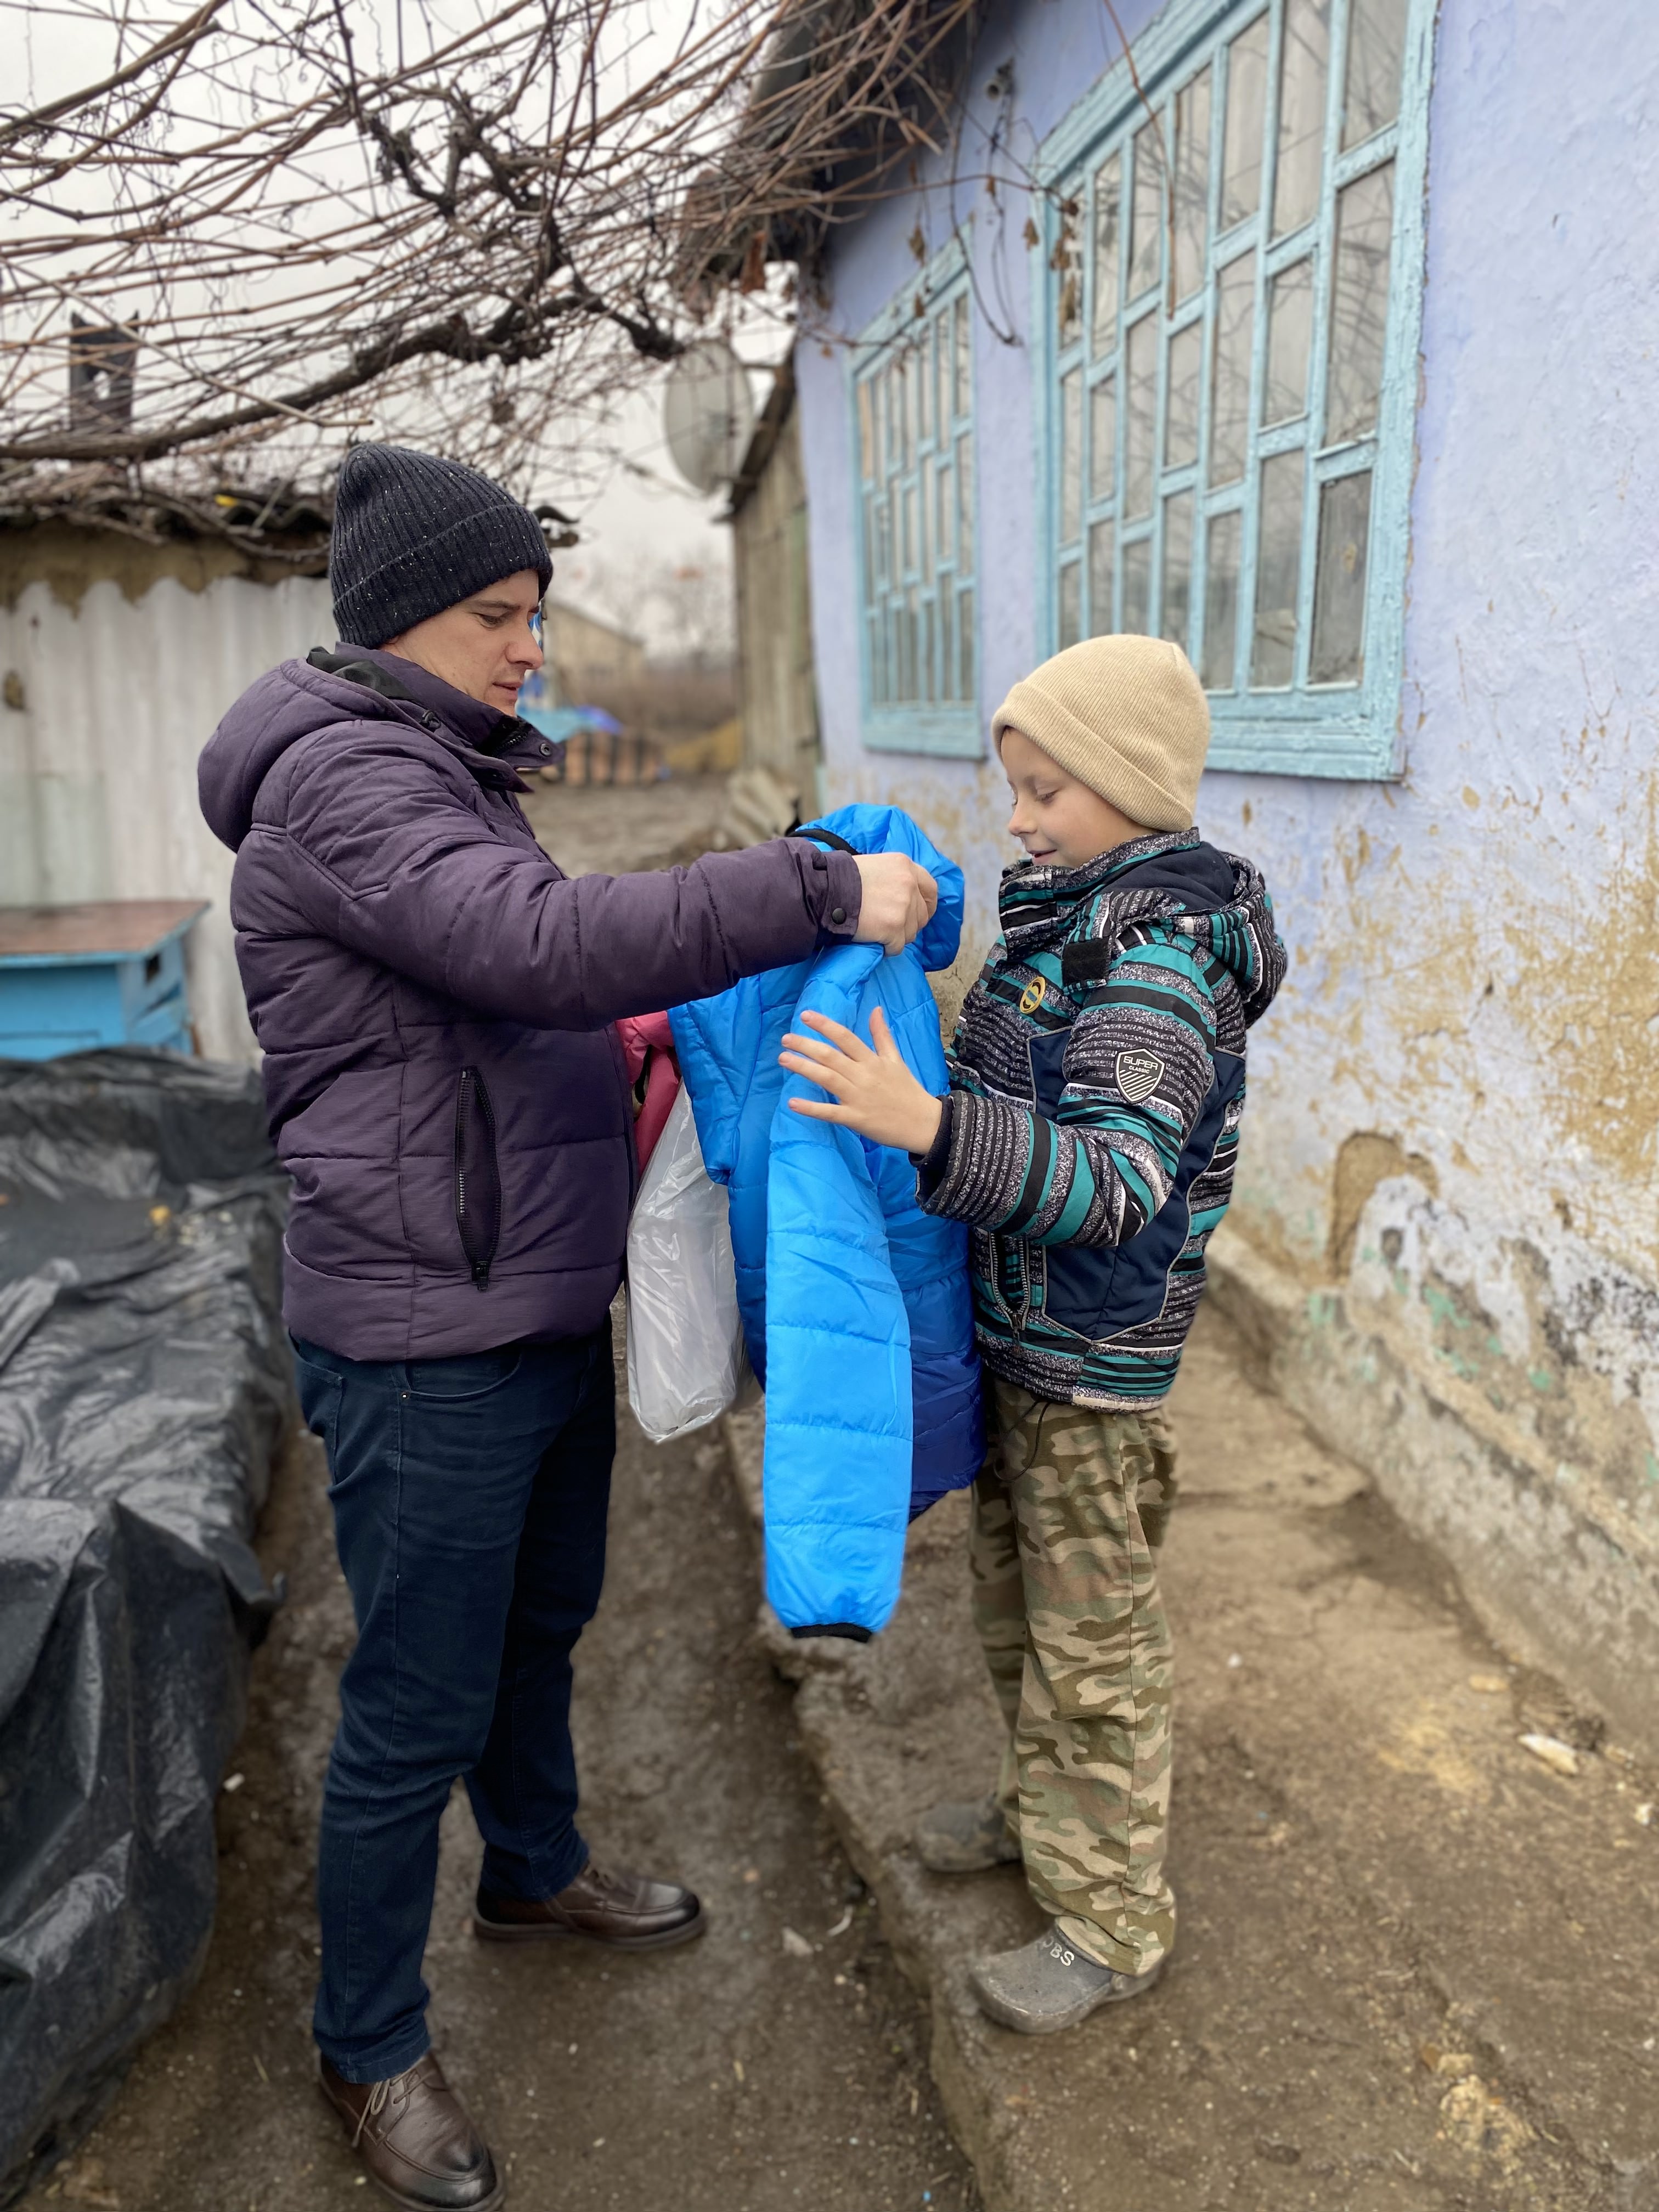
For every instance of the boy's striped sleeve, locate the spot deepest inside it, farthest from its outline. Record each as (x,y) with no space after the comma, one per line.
(1138,1067)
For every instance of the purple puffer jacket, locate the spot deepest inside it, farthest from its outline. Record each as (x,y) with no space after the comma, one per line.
(432,999)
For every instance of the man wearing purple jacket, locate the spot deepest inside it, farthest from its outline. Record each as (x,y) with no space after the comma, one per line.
(432,999)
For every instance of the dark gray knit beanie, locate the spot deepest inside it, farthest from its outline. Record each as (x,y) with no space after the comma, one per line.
(414,534)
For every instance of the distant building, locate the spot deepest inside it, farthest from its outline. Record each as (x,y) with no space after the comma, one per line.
(1314,337)
(587,655)
(777,683)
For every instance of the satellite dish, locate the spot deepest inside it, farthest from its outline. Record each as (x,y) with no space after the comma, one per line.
(708,414)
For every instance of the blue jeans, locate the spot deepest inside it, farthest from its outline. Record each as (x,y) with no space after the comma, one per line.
(470,1498)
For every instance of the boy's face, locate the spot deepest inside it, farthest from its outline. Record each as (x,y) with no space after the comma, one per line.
(1061,823)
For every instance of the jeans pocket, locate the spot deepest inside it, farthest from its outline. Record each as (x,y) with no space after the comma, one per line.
(469,1375)
(321,1392)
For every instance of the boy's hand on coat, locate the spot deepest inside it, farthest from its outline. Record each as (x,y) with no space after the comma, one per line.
(877,1094)
(898,899)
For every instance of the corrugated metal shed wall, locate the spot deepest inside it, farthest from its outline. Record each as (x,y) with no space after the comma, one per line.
(98,765)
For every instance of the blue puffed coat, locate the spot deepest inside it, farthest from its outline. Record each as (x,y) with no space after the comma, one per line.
(855,1303)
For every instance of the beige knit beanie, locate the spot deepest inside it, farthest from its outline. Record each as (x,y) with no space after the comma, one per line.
(1126,715)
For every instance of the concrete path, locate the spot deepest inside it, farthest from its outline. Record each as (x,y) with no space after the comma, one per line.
(1418,1967)
(779,2063)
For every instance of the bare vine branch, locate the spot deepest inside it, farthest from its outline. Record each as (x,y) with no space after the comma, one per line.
(292,220)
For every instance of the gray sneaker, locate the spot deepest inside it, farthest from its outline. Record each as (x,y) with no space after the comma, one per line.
(965,1839)
(1049,1985)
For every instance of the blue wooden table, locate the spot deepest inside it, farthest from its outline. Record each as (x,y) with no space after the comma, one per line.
(112,972)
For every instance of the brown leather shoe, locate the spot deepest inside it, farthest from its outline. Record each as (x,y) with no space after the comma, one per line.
(628,1912)
(416,2143)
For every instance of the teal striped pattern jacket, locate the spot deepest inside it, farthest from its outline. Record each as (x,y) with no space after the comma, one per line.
(1097,1092)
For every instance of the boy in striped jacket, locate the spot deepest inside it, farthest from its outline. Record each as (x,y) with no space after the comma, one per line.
(1089,1140)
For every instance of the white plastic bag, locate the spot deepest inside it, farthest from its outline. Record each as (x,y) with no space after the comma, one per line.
(685,1351)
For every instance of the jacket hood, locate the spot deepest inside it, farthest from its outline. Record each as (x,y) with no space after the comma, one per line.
(1218,898)
(300,698)
(890,829)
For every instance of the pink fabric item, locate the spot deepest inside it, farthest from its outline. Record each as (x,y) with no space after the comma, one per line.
(648,1041)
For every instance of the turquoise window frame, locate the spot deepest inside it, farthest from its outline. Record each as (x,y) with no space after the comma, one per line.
(1347,729)
(904,575)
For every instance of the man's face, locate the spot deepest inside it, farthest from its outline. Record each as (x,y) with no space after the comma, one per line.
(485,646)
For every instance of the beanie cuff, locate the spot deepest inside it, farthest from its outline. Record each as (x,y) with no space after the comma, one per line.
(1091,756)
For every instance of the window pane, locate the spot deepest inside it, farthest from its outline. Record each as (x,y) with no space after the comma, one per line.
(1359,305)
(961,357)
(1192,184)
(1338,617)
(1290,329)
(1109,216)
(1180,408)
(909,528)
(1103,439)
(1177,595)
(875,640)
(912,641)
(1246,108)
(1141,390)
(1071,455)
(909,379)
(1229,395)
(927,650)
(965,505)
(947,656)
(945,501)
(1100,578)
(965,644)
(1069,260)
(868,519)
(1301,112)
(942,357)
(1138,586)
(924,376)
(925,503)
(881,570)
(1071,612)
(867,433)
(1222,554)
(1147,223)
(1278,572)
(1376,45)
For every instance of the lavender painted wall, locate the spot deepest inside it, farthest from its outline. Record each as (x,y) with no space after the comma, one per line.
(1448,1205)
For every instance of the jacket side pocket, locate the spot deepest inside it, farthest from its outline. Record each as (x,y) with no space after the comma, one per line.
(477,1176)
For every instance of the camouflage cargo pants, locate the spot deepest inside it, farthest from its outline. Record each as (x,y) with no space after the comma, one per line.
(1069,1514)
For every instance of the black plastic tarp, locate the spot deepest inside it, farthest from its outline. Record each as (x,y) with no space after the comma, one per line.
(144,1381)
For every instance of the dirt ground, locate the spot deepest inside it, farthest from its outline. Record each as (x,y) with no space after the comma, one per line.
(1417,1963)
(593,828)
(734,2075)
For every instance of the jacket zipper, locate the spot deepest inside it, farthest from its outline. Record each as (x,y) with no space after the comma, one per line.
(477,1176)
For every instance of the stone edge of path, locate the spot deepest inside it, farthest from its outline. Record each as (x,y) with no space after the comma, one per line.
(969,2077)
